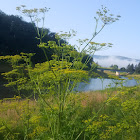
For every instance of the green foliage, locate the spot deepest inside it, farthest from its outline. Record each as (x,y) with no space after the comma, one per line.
(117,117)
(123,69)
(133,69)
(137,68)
(115,67)
(120,118)
(57,114)
(130,68)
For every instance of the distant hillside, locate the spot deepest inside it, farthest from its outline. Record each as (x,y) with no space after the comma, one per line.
(17,35)
(121,61)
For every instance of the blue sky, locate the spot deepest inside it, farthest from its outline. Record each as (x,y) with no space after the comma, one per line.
(79,15)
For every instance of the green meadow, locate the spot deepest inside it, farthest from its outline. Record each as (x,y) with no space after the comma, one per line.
(43,104)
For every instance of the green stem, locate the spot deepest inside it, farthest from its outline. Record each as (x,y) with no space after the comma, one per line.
(94,35)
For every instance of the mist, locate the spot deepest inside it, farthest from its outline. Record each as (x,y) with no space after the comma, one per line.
(107,61)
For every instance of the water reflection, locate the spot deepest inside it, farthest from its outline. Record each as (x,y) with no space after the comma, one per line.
(99,84)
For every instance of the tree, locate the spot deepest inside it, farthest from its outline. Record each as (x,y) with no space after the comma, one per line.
(87,60)
(123,69)
(17,35)
(130,68)
(137,68)
(115,67)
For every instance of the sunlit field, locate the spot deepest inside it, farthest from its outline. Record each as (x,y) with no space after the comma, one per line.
(109,114)
(39,77)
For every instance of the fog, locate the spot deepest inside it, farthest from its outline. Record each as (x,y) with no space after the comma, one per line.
(108,61)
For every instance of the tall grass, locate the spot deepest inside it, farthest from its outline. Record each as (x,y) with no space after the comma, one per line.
(57,113)
(119,117)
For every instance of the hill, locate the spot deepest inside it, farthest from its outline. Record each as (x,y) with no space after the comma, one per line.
(121,61)
(17,35)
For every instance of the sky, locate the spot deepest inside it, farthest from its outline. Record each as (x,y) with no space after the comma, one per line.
(79,16)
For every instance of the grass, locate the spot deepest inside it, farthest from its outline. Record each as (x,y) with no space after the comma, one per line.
(134,75)
(117,119)
(10,106)
(114,73)
(110,114)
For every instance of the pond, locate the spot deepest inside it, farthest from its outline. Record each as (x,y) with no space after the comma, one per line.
(100,84)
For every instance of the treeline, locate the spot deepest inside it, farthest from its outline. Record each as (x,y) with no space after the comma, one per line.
(17,35)
(130,68)
(134,68)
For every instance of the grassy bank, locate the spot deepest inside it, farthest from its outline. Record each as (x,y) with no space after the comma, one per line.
(109,114)
(134,75)
(114,73)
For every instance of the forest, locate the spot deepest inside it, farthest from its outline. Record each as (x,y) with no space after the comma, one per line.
(17,35)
